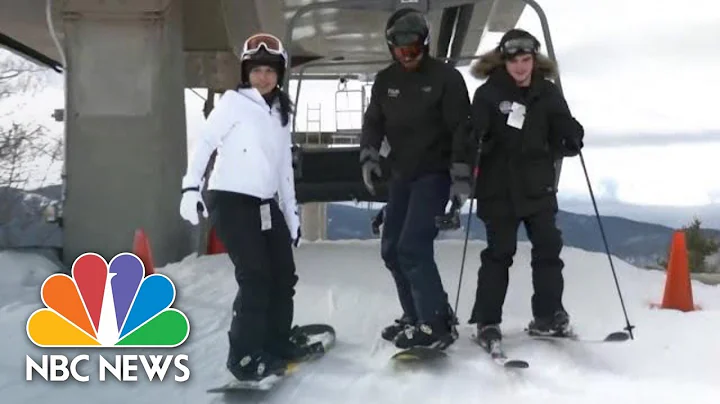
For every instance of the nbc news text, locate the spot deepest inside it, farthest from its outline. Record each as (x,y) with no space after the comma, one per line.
(123,368)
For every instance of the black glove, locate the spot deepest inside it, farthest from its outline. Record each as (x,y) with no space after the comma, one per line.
(370,160)
(571,134)
(572,146)
(461,181)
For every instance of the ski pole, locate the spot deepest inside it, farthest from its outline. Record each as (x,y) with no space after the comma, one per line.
(474,176)
(628,327)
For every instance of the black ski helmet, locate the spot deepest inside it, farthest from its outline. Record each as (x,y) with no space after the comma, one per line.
(407,26)
(263,50)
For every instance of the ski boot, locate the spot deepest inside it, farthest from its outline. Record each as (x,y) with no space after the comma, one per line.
(390,332)
(488,335)
(557,325)
(436,335)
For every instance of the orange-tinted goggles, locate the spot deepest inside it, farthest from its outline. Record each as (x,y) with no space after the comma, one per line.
(408,51)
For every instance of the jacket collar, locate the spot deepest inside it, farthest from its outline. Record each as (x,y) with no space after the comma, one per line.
(502,79)
(254,95)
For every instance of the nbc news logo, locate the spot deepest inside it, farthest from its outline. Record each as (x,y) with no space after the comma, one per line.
(108,306)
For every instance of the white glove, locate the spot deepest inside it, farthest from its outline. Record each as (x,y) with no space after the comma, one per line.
(293,222)
(190,204)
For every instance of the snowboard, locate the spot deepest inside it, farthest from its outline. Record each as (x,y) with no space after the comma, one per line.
(416,354)
(320,336)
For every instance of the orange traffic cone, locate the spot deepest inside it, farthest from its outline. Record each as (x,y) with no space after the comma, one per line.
(214,245)
(678,289)
(141,248)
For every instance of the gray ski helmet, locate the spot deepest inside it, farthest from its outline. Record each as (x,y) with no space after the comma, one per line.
(407,26)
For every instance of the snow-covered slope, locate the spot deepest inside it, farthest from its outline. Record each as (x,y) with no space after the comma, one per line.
(673,358)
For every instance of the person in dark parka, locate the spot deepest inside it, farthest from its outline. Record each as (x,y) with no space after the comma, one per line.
(524,124)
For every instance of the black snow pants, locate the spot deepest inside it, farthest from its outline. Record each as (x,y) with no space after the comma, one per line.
(496,259)
(408,237)
(264,270)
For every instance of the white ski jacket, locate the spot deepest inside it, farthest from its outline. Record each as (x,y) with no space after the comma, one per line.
(254,155)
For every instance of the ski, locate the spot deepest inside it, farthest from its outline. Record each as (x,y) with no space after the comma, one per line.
(617,336)
(499,357)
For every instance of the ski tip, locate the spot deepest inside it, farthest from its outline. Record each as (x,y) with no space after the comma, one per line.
(618,336)
(516,364)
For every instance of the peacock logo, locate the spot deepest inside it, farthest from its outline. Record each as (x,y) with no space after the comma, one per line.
(108,305)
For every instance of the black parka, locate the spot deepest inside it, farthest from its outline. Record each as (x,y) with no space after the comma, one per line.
(517,174)
(422,114)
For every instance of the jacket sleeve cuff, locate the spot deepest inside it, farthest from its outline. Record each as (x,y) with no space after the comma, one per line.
(369,154)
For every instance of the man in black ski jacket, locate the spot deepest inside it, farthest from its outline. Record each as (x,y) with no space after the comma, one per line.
(421,106)
(525,125)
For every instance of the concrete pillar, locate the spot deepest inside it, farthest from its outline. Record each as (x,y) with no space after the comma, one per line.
(125,129)
(314,221)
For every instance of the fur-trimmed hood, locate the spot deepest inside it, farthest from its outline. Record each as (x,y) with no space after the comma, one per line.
(481,68)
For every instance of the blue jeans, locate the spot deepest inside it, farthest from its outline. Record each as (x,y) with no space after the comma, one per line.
(408,239)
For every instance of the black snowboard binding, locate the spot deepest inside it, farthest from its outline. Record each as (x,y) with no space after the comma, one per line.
(390,332)
(297,347)
(253,366)
(449,220)
(426,336)
(439,333)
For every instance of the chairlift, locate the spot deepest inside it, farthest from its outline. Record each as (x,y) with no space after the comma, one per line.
(392,5)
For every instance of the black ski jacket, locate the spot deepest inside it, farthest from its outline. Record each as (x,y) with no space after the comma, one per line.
(517,166)
(424,115)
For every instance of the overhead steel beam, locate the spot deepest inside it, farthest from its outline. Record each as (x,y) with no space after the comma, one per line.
(38,57)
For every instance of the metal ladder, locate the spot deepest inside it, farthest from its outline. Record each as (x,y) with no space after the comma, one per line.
(349,109)
(311,120)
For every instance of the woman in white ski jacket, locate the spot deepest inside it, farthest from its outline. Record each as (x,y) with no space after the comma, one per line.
(250,130)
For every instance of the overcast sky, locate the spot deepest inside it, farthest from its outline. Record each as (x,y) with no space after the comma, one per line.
(642,76)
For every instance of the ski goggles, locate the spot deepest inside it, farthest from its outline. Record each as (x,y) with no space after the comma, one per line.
(404,38)
(519,45)
(409,51)
(406,44)
(271,44)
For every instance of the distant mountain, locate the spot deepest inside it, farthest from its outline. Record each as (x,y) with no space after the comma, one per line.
(671,216)
(638,243)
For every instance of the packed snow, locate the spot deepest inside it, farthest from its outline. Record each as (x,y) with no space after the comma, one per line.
(673,358)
